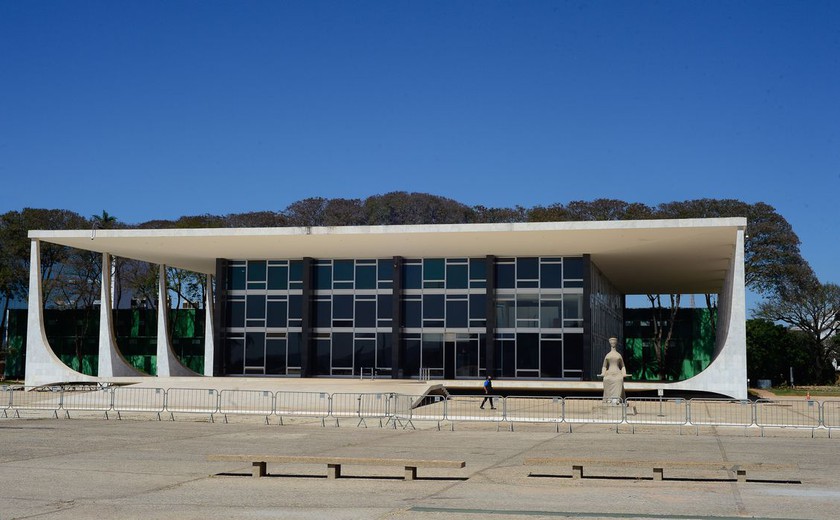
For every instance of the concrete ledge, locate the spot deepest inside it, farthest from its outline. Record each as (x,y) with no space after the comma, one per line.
(334,463)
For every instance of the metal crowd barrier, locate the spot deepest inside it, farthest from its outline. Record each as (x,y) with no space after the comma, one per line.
(361,407)
(830,415)
(139,400)
(302,404)
(400,409)
(787,414)
(408,408)
(720,412)
(35,398)
(656,410)
(5,399)
(592,410)
(89,399)
(192,400)
(467,408)
(246,402)
(533,410)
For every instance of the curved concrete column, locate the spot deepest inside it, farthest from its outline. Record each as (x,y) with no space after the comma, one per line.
(168,363)
(111,361)
(43,367)
(727,373)
(209,344)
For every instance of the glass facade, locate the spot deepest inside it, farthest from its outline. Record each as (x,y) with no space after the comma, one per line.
(441,304)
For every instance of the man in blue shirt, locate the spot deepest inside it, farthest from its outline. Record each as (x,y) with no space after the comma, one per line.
(488,391)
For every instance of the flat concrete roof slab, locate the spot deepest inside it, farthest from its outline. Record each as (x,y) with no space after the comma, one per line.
(638,256)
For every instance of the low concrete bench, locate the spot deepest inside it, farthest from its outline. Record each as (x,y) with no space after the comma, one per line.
(334,463)
(740,470)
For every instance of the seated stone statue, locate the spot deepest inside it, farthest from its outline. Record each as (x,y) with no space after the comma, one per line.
(613,372)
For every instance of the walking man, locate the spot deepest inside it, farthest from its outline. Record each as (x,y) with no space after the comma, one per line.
(488,393)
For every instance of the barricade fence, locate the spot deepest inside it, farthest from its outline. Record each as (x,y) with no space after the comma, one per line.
(91,399)
(192,400)
(139,400)
(401,409)
(246,402)
(5,399)
(656,410)
(787,414)
(831,415)
(720,412)
(302,404)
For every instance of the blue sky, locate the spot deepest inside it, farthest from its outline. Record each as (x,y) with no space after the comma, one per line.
(160,109)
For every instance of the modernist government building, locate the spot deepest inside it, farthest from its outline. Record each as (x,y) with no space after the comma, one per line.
(529,302)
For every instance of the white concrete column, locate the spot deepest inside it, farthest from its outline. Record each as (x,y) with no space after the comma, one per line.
(209,329)
(168,363)
(727,373)
(111,361)
(43,367)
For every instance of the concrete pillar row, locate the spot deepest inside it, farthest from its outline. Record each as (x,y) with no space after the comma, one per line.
(43,367)
(168,364)
(111,361)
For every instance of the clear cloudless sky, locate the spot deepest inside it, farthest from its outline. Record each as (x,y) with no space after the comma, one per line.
(157,109)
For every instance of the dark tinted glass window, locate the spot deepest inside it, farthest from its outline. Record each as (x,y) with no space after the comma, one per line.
(527,268)
(412,356)
(365,353)
(322,356)
(456,313)
(365,313)
(478,269)
(323,277)
(432,306)
(456,276)
(236,278)
(551,358)
(343,270)
(254,349)
(323,313)
(275,356)
(386,269)
(343,307)
(278,277)
(505,276)
(412,276)
(385,305)
(433,269)
(236,314)
(294,349)
(433,350)
(365,277)
(296,271)
(277,314)
(573,351)
(411,313)
(342,349)
(478,306)
(527,351)
(551,276)
(256,271)
(256,306)
(295,306)
(235,355)
(383,349)
(572,268)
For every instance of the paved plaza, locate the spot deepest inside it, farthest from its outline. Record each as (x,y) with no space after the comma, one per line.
(89,467)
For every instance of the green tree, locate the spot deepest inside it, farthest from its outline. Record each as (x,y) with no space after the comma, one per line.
(812,308)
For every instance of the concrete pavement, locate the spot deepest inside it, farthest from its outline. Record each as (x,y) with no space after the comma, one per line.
(141,468)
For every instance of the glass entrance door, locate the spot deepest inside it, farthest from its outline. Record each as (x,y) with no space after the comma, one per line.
(466,350)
